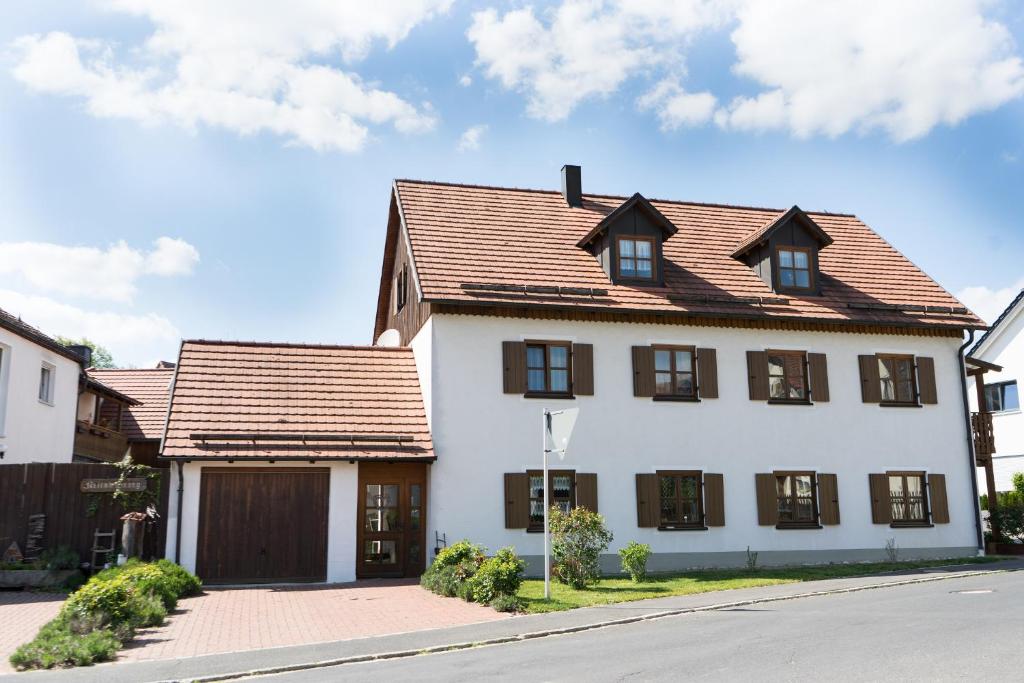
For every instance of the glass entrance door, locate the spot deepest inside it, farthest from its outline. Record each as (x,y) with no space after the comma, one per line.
(382,528)
(392,511)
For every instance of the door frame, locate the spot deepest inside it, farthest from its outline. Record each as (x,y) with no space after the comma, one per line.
(405,474)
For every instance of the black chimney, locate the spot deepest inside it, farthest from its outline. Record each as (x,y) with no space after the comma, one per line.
(572,185)
(84,352)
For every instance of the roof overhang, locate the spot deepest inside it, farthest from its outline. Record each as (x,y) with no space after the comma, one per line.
(102,389)
(638,201)
(982,365)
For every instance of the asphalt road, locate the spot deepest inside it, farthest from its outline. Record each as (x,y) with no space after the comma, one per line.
(959,629)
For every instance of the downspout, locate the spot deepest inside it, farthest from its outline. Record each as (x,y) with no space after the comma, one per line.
(177,531)
(971,464)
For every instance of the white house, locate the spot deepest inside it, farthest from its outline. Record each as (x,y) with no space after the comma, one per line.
(1003,345)
(773,379)
(39,380)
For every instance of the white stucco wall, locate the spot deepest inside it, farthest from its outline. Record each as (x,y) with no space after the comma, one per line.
(422,350)
(341,521)
(480,433)
(30,430)
(1005,347)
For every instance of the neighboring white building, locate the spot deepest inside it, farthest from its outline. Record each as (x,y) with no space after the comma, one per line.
(772,379)
(39,381)
(1003,345)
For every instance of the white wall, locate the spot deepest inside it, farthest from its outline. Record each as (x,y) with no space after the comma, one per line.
(1005,348)
(341,515)
(480,433)
(33,431)
(422,350)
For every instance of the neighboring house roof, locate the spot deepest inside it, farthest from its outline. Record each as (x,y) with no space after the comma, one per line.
(1008,314)
(151,388)
(242,400)
(489,246)
(96,386)
(22,329)
(765,231)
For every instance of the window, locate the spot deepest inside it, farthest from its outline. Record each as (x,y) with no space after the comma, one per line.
(787,375)
(46,376)
(401,288)
(908,498)
(897,376)
(798,505)
(547,368)
(561,494)
(681,506)
(674,371)
(636,258)
(1001,397)
(794,267)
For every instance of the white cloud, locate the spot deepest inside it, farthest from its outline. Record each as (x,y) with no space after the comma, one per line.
(238,65)
(989,303)
(105,274)
(469,141)
(138,340)
(818,68)
(465,80)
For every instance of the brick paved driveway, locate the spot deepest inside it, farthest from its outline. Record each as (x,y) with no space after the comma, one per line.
(21,615)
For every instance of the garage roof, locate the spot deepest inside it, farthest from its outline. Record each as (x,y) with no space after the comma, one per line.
(244,400)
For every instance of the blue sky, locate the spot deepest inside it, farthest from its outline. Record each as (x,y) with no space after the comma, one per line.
(260,145)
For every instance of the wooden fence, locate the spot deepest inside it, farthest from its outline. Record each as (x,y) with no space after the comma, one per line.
(70,517)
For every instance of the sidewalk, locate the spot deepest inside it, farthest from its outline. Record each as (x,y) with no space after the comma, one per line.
(517,628)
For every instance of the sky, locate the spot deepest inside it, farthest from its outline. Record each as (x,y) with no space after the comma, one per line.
(223,170)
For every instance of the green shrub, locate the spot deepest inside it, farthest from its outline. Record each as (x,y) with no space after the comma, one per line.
(634,560)
(107,598)
(501,575)
(507,603)
(450,572)
(440,580)
(577,540)
(61,557)
(458,553)
(57,644)
(1010,518)
(186,584)
(147,609)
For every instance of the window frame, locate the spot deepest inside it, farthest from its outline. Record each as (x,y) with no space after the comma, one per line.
(926,519)
(547,392)
(915,399)
(673,372)
(538,527)
(618,258)
(794,498)
(1001,387)
(48,370)
(401,289)
(804,376)
(680,474)
(811,280)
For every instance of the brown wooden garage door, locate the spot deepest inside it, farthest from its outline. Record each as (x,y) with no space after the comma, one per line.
(259,525)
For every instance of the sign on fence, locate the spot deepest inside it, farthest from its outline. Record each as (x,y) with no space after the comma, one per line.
(110,485)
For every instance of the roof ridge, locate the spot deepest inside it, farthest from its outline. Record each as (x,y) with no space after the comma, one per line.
(1002,316)
(684,202)
(294,345)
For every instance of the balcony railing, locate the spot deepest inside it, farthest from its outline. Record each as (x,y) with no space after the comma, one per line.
(99,443)
(984,437)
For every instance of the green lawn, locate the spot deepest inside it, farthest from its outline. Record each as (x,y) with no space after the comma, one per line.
(619,589)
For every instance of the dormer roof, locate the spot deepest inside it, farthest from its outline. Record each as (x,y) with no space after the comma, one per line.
(764,232)
(640,202)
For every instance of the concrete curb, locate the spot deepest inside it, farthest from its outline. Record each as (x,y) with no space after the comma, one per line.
(400,654)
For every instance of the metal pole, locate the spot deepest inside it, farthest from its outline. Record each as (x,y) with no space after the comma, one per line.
(547,541)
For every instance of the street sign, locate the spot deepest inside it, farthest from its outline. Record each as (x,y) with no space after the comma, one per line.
(111,485)
(559,428)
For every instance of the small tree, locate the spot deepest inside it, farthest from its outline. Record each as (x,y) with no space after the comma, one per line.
(101,357)
(577,540)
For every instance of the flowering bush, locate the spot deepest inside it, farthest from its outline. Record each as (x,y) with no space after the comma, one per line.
(577,540)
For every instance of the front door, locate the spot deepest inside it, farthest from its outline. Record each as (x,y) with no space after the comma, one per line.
(391,516)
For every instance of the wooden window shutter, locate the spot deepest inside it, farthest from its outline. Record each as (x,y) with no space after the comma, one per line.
(817,366)
(707,373)
(586,491)
(881,508)
(513,358)
(937,498)
(648,500)
(643,371)
(828,499)
(517,500)
(714,500)
(583,369)
(757,375)
(926,381)
(767,500)
(870,383)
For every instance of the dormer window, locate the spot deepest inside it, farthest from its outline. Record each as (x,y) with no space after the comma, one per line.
(794,267)
(636,258)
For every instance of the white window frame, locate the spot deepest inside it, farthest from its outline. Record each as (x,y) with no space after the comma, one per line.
(48,398)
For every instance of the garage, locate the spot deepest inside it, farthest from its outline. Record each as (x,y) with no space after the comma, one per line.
(262,525)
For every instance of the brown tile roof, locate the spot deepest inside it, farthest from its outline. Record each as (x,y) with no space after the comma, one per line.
(247,400)
(151,387)
(508,247)
(763,232)
(22,329)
